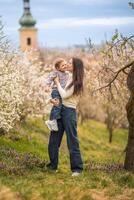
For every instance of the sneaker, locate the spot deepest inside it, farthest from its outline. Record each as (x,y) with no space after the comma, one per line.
(50,168)
(48,123)
(76,173)
(54,125)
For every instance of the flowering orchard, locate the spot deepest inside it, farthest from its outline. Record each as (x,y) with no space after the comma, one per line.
(116,73)
(21,83)
(112,81)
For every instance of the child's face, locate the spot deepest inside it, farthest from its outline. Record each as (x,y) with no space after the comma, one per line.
(63,66)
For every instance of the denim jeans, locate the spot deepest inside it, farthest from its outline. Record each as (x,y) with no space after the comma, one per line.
(56,110)
(67,123)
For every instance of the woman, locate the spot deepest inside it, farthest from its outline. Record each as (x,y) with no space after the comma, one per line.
(68,121)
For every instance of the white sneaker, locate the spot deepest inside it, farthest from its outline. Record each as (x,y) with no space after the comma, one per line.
(52,125)
(48,123)
(76,173)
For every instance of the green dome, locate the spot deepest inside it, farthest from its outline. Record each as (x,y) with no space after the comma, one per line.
(27,20)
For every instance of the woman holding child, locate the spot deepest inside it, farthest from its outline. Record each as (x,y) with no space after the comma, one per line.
(69,94)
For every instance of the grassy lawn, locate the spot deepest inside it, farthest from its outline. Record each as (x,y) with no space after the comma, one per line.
(23,154)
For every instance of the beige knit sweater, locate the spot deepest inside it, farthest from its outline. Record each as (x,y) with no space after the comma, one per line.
(68,99)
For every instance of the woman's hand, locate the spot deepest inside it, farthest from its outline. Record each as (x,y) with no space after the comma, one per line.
(55,102)
(56,80)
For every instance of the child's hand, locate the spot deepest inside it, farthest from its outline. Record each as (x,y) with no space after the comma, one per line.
(55,102)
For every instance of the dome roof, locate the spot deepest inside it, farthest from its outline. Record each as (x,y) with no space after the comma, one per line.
(27,20)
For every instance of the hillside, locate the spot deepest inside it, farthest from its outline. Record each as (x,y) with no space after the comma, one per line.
(23,154)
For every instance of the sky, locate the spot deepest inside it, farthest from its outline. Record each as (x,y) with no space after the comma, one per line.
(63,23)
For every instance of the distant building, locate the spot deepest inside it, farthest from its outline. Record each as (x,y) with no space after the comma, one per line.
(28,32)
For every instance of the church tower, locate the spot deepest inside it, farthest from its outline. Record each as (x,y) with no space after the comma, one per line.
(28,32)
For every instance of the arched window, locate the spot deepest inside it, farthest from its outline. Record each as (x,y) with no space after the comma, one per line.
(28,41)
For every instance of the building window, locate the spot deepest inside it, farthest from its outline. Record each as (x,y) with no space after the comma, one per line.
(28,41)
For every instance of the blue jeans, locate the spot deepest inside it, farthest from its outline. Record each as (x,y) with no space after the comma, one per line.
(67,123)
(56,110)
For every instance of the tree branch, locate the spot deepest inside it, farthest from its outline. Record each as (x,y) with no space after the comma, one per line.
(117,73)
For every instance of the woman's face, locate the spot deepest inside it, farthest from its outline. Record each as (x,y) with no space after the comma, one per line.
(70,66)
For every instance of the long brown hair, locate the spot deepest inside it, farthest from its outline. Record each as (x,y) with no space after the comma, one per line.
(78,75)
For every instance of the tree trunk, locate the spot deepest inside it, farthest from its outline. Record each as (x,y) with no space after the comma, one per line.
(110,123)
(110,128)
(2,132)
(82,119)
(129,160)
(110,135)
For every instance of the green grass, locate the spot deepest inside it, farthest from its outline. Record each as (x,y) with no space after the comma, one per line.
(26,179)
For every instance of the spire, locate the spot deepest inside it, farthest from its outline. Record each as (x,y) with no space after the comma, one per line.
(26,6)
(27,19)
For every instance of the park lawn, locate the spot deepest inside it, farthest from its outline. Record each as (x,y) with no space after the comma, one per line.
(23,154)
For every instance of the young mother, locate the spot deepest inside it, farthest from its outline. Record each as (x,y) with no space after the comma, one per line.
(68,121)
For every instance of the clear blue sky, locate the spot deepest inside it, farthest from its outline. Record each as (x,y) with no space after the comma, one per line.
(68,22)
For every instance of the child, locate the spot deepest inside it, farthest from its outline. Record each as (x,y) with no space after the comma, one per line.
(60,71)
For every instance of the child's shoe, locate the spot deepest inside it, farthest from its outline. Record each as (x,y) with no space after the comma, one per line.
(48,123)
(52,125)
